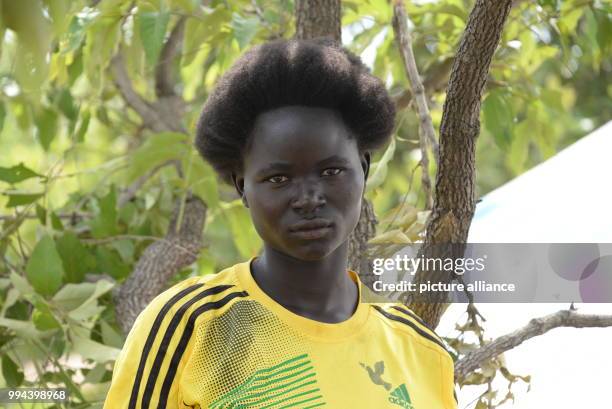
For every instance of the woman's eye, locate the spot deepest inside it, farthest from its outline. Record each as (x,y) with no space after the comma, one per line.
(277,179)
(331,171)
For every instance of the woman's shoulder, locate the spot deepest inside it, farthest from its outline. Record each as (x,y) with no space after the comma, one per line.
(403,319)
(193,292)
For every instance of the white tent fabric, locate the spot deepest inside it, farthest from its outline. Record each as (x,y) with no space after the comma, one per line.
(566,199)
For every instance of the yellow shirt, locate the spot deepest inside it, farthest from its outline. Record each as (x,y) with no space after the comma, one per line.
(219,341)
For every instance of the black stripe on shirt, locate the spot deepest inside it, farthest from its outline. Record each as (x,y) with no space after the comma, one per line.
(163,346)
(413,326)
(416,318)
(151,338)
(182,345)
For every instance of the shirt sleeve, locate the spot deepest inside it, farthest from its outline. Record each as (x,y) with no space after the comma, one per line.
(143,370)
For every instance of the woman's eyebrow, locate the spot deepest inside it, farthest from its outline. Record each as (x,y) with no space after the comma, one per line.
(274,167)
(334,159)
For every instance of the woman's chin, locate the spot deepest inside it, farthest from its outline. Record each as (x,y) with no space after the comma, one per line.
(313,251)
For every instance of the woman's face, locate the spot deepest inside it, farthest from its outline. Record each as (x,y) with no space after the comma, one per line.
(303,181)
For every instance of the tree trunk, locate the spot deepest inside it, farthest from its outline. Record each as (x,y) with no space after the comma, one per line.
(160,262)
(318,18)
(455,182)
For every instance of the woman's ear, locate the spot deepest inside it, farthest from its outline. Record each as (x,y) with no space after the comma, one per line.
(238,181)
(365,164)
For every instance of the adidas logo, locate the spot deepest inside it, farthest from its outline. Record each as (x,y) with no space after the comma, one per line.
(400,397)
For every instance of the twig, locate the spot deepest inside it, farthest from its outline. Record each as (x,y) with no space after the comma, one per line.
(164,85)
(426,130)
(537,326)
(129,193)
(110,239)
(143,108)
(70,215)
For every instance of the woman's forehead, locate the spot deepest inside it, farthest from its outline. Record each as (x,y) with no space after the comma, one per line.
(300,135)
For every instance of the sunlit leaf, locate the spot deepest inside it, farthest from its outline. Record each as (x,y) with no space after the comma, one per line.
(90,349)
(44,269)
(13,375)
(17,173)
(244,28)
(20,199)
(152,28)
(75,257)
(378,170)
(46,124)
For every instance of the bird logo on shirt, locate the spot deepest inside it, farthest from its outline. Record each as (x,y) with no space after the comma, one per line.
(376,374)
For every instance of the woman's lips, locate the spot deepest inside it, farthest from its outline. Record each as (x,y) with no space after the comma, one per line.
(311,229)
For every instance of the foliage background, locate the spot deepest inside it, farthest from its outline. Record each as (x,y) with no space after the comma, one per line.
(70,146)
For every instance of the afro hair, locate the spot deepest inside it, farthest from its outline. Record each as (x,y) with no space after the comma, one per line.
(314,73)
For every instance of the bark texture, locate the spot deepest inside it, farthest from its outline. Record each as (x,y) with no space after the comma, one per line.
(161,261)
(454,201)
(318,18)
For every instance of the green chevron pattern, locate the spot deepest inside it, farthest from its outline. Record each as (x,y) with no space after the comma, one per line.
(289,384)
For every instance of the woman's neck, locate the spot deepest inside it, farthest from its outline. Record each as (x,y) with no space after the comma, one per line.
(320,290)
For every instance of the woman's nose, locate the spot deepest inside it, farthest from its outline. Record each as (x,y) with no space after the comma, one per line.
(309,196)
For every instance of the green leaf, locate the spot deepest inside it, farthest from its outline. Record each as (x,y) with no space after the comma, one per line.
(110,336)
(519,147)
(21,285)
(109,262)
(11,372)
(75,35)
(65,103)
(244,29)
(83,126)
(73,296)
(11,297)
(498,117)
(96,351)
(46,126)
(204,182)
(378,171)
(23,329)
(244,234)
(105,224)
(44,269)
(200,31)
(157,149)
(75,257)
(2,115)
(17,173)
(20,199)
(152,31)
(43,318)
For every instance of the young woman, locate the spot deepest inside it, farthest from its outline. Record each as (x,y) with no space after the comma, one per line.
(291,126)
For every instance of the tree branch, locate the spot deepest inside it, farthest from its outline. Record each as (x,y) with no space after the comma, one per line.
(318,18)
(146,111)
(130,192)
(454,201)
(164,84)
(537,326)
(427,135)
(160,261)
